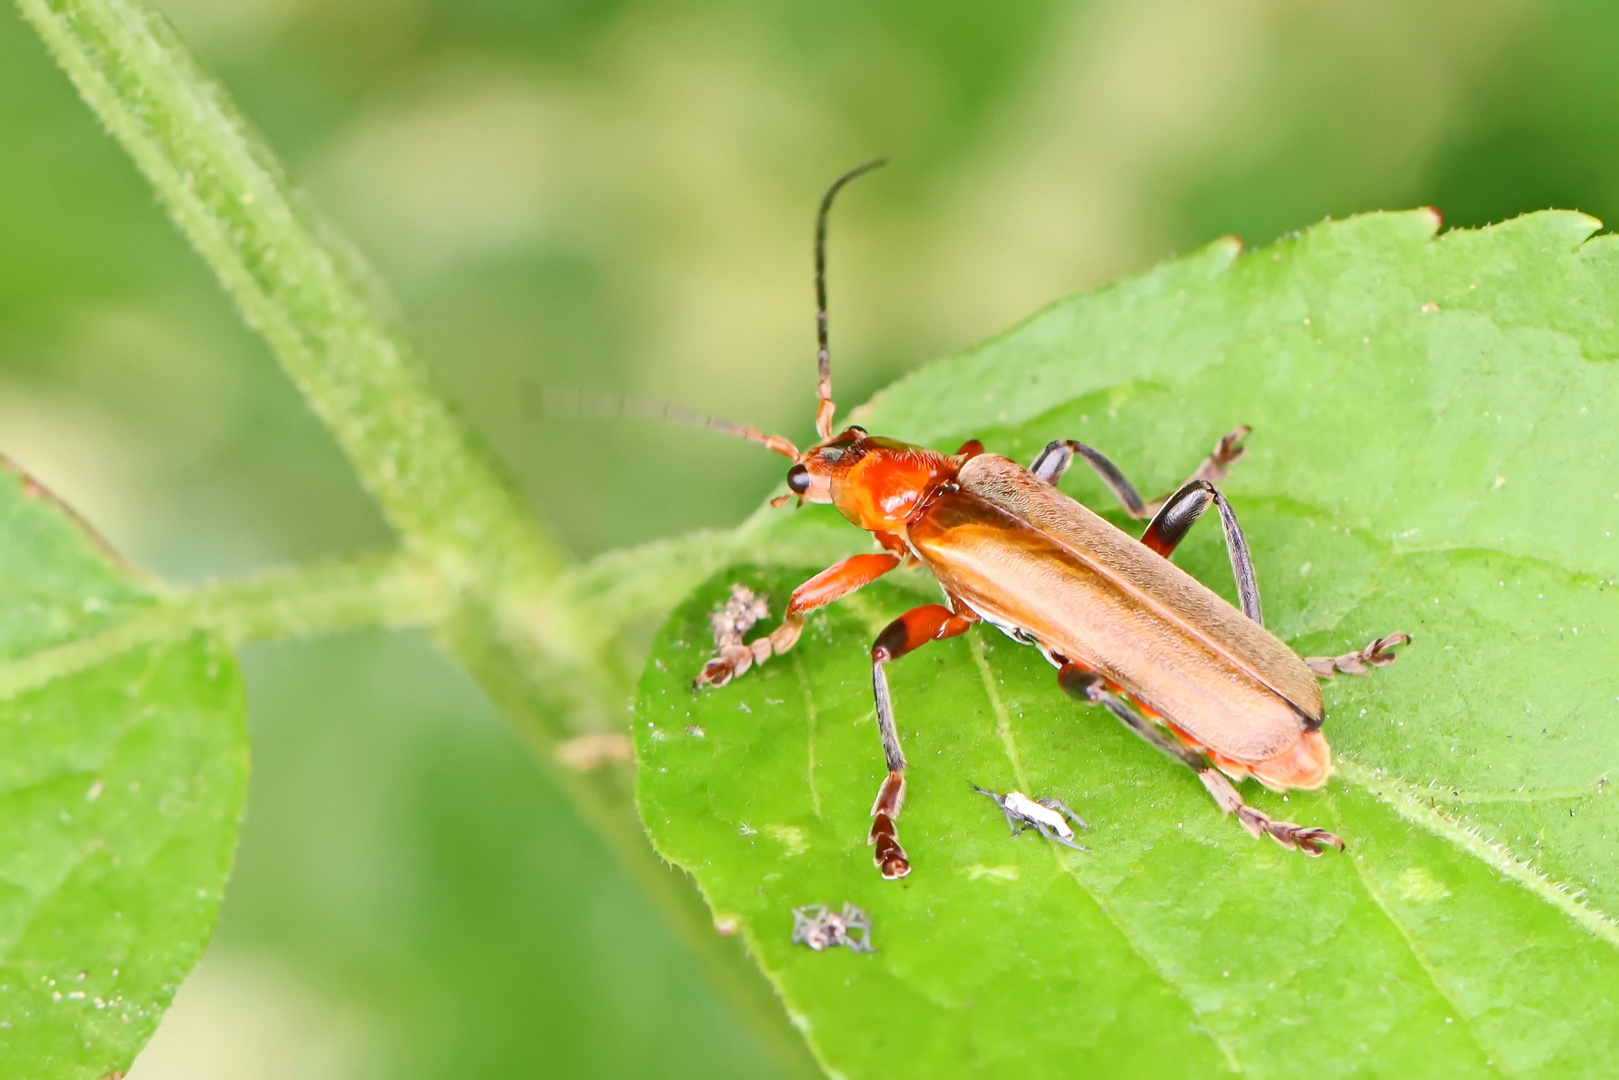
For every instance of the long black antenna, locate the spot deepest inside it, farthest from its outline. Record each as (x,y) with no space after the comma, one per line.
(562,401)
(823,352)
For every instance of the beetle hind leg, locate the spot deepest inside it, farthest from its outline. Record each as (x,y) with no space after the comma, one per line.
(1379,653)
(1306,838)
(1090,686)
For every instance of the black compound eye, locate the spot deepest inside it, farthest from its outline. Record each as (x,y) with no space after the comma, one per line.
(798,478)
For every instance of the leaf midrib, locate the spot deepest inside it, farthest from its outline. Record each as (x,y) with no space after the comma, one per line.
(1410,807)
(1492,1059)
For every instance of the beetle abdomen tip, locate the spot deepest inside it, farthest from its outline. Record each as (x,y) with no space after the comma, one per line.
(1306,764)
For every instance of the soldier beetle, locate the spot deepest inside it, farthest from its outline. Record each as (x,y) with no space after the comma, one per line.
(1124,626)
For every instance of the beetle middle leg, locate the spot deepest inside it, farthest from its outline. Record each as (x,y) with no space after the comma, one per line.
(1091,687)
(1175,519)
(912,630)
(1059,454)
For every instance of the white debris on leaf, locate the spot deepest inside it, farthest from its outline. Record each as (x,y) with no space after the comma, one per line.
(1049,817)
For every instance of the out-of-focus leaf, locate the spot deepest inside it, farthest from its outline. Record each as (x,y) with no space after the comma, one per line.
(123,766)
(1433,451)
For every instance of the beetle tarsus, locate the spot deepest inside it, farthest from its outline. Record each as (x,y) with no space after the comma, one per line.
(1226,452)
(730,624)
(1306,838)
(884,839)
(735,659)
(836,581)
(1379,653)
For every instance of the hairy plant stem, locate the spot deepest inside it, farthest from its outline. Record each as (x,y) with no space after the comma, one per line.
(374,590)
(486,570)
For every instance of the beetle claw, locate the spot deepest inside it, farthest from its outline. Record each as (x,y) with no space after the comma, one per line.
(1226,452)
(723,668)
(1313,841)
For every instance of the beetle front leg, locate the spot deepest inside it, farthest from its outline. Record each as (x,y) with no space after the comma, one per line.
(912,630)
(836,581)
(1360,662)
(1226,452)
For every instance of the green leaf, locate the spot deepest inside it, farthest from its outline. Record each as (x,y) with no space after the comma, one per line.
(1433,451)
(123,768)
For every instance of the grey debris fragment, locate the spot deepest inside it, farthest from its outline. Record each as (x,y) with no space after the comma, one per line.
(730,624)
(737,617)
(821,928)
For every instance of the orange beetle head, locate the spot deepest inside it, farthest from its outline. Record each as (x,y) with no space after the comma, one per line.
(876,483)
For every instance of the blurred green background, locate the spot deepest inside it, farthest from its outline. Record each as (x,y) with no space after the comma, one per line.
(618,194)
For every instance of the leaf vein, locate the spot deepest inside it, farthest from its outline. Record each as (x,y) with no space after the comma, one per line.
(1418,953)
